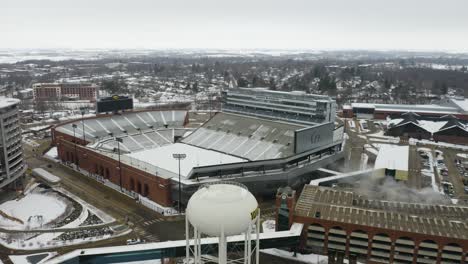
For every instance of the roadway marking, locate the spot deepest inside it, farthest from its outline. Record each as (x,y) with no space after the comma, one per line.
(147,223)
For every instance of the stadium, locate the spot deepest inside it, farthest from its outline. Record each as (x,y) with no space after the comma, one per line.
(133,151)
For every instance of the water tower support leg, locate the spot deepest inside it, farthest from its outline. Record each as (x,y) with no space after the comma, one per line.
(199,246)
(249,244)
(187,240)
(196,254)
(257,242)
(245,248)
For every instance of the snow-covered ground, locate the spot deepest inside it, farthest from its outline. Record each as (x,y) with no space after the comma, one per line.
(364,159)
(430,172)
(28,259)
(309,258)
(28,212)
(363,126)
(41,206)
(462,155)
(162,157)
(268,226)
(52,154)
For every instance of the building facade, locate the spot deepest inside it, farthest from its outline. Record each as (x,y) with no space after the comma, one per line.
(65,91)
(12,166)
(345,225)
(286,106)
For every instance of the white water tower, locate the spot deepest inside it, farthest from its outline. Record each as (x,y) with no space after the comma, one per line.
(222,209)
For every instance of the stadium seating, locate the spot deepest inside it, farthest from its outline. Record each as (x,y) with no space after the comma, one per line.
(249,138)
(125,124)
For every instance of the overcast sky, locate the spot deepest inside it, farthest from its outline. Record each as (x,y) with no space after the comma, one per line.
(235,24)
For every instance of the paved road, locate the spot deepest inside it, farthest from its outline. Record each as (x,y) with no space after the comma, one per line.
(146,223)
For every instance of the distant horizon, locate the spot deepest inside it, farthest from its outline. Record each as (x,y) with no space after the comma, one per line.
(316,50)
(416,25)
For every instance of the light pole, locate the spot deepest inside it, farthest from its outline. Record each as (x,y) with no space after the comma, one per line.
(82,121)
(119,140)
(179,157)
(74,140)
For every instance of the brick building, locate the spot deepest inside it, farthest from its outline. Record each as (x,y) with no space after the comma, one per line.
(65,91)
(344,225)
(443,129)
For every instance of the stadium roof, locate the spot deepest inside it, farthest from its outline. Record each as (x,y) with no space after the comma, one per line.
(195,157)
(351,208)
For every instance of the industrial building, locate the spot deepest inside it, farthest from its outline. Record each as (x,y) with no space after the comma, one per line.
(12,166)
(457,107)
(133,152)
(392,161)
(343,224)
(65,91)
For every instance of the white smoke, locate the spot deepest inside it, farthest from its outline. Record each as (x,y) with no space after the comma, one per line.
(389,189)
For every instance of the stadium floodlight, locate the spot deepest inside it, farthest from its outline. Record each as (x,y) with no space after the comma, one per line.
(119,140)
(179,157)
(82,122)
(74,140)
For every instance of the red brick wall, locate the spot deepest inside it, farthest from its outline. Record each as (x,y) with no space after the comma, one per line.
(451,139)
(159,189)
(348,113)
(372,231)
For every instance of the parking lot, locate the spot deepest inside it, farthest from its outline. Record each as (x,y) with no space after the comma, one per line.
(445,170)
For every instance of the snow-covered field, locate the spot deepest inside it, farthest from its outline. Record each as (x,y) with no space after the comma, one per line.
(27,212)
(43,209)
(162,157)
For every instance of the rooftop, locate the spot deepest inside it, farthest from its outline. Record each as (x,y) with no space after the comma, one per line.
(348,207)
(195,157)
(5,101)
(392,157)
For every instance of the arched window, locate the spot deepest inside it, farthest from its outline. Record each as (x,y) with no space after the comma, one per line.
(132,184)
(146,190)
(404,250)
(316,237)
(428,250)
(358,243)
(107,173)
(452,253)
(381,248)
(139,187)
(337,239)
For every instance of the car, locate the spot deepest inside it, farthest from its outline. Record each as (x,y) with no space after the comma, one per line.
(466,189)
(134,241)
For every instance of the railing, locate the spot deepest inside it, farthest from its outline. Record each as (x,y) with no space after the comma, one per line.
(166,211)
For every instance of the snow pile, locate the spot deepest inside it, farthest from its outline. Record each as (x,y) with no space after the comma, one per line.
(429,172)
(363,126)
(33,258)
(462,155)
(268,226)
(52,154)
(26,209)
